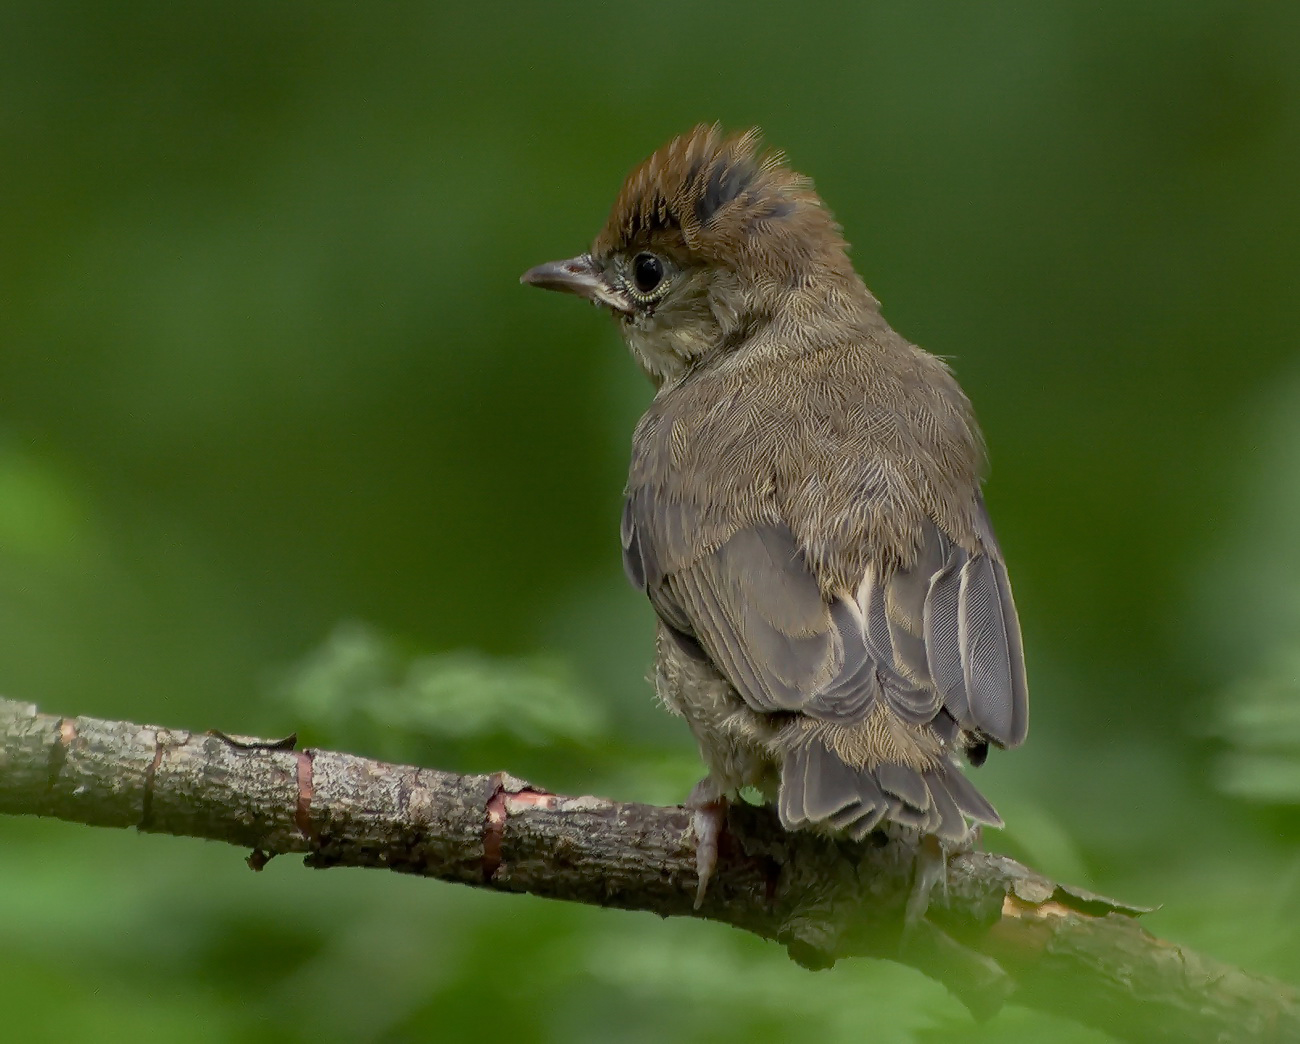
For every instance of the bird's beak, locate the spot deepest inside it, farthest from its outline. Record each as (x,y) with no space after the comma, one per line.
(579,275)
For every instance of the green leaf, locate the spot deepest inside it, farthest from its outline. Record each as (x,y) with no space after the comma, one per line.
(359,677)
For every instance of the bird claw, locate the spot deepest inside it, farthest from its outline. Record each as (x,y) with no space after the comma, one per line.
(931,871)
(708,817)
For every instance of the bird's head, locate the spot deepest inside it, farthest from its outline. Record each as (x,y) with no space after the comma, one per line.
(708,240)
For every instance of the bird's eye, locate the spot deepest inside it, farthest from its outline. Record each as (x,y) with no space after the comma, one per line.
(647,272)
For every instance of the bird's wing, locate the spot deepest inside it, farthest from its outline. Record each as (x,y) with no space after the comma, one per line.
(972,640)
(940,635)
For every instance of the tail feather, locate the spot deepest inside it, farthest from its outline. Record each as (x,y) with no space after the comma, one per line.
(905,784)
(830,786)
(859,820)
(946,819)
(818,787)
(972,803)
(790,802)
(905,815)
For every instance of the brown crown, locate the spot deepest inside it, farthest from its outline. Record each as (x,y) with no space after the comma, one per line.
(725,198)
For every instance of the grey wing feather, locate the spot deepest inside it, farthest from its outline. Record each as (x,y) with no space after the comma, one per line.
(850,694)
(942,633)
(752,604)
(937,643)
(972,637)
(890,644)
(943,646)
(757,610)
(641,559)
(634,563)
(985,650)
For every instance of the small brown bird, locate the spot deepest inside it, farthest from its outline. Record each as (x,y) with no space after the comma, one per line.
(804,511)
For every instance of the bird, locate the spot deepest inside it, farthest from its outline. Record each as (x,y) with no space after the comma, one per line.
(804,509)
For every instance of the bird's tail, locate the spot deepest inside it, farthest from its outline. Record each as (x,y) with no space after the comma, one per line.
(818,787)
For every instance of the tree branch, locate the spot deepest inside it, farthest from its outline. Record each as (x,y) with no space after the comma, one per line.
(1000,930)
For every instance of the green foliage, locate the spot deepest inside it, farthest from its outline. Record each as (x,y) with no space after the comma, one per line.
(1256,598)
(1261,722)
(359,684)
(266,367)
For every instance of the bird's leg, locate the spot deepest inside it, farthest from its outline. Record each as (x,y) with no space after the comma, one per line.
(931,871)
(708,807)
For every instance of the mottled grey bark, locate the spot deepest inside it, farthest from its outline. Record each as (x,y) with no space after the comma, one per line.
(998,932)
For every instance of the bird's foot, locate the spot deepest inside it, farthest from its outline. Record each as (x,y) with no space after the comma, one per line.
(931,873)
(708,817)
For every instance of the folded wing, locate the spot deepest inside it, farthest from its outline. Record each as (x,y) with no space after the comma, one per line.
(935,644)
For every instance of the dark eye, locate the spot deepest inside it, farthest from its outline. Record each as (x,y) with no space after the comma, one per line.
(647,272)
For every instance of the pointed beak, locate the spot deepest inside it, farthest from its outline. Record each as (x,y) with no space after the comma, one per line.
(581,276)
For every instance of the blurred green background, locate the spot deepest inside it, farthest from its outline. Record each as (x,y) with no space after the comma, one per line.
(284,445)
